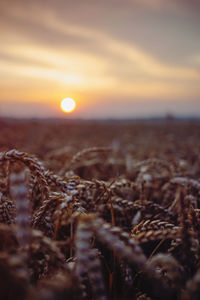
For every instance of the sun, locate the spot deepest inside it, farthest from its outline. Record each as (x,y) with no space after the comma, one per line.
(68,105)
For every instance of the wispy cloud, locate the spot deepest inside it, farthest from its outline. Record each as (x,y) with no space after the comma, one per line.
(46,54)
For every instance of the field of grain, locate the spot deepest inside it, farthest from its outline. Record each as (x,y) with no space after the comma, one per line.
(99,210)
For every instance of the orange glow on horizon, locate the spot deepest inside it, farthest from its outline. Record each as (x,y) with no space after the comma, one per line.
(106,70)
(68,105)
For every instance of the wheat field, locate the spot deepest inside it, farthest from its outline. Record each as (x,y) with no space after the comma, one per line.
(99,210)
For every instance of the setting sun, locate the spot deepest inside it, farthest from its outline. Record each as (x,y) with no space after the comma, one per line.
(68,105)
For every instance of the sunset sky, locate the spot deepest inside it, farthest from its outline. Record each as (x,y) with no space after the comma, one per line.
(116,58)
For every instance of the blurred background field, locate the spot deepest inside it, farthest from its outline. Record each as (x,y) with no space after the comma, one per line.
(56,141)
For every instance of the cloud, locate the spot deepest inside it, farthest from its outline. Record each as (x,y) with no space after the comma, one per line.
(98,49)
(110,46)
(161,34)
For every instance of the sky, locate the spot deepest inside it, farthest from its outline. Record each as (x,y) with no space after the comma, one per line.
(115,58)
